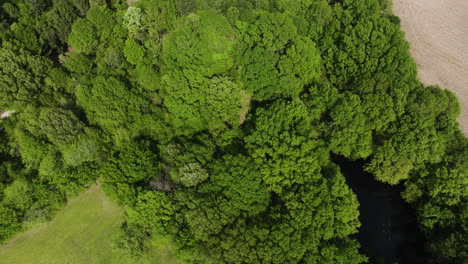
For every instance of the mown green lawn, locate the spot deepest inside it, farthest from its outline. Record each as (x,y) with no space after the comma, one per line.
(82,233)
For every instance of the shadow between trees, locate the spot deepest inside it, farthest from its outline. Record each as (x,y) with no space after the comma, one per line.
(388,232)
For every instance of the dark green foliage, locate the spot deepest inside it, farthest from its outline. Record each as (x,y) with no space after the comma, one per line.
(22,76)
(287,231)
(135,163)
(48,23)
(427,123)
(28,37)
(158,18)
(237,177)
(438,193)
(110,104)
(186,162)
(55,25)
(366,54)
(58,125)
(79,63)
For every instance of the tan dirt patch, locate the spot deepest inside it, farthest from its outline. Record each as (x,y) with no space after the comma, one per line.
(131,2)
(245,106)
(438,33)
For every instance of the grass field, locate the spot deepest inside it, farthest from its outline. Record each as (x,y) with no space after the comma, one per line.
(82,233)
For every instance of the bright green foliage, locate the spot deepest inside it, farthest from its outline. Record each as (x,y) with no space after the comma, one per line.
(138,162)
(17,195)
(269,31)
(50,165)
(134,53)
(158,17)
(213,104)
(132,20)
(203,45)
(389,166)
(103,20)
(31,149)
(221,103)
(182,103)
(191,174)
(149,80)
(277,61)
(348,135)
(418,137)
(87,147)
(280,143)
(83,37)
(152,211)
(293,6)
(9,224)
(345,251)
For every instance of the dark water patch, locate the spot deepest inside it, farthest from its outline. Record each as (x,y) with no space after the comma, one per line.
(389,232)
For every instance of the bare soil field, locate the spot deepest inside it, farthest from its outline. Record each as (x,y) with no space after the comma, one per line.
(438,33)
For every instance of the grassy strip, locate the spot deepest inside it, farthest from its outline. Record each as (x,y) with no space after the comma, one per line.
(83,232)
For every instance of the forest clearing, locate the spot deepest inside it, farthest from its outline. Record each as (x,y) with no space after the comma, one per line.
(83,232)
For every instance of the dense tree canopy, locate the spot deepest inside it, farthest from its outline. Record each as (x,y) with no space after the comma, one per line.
(216,122)
(277,60)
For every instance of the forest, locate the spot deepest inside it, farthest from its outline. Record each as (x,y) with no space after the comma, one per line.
(215,123)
